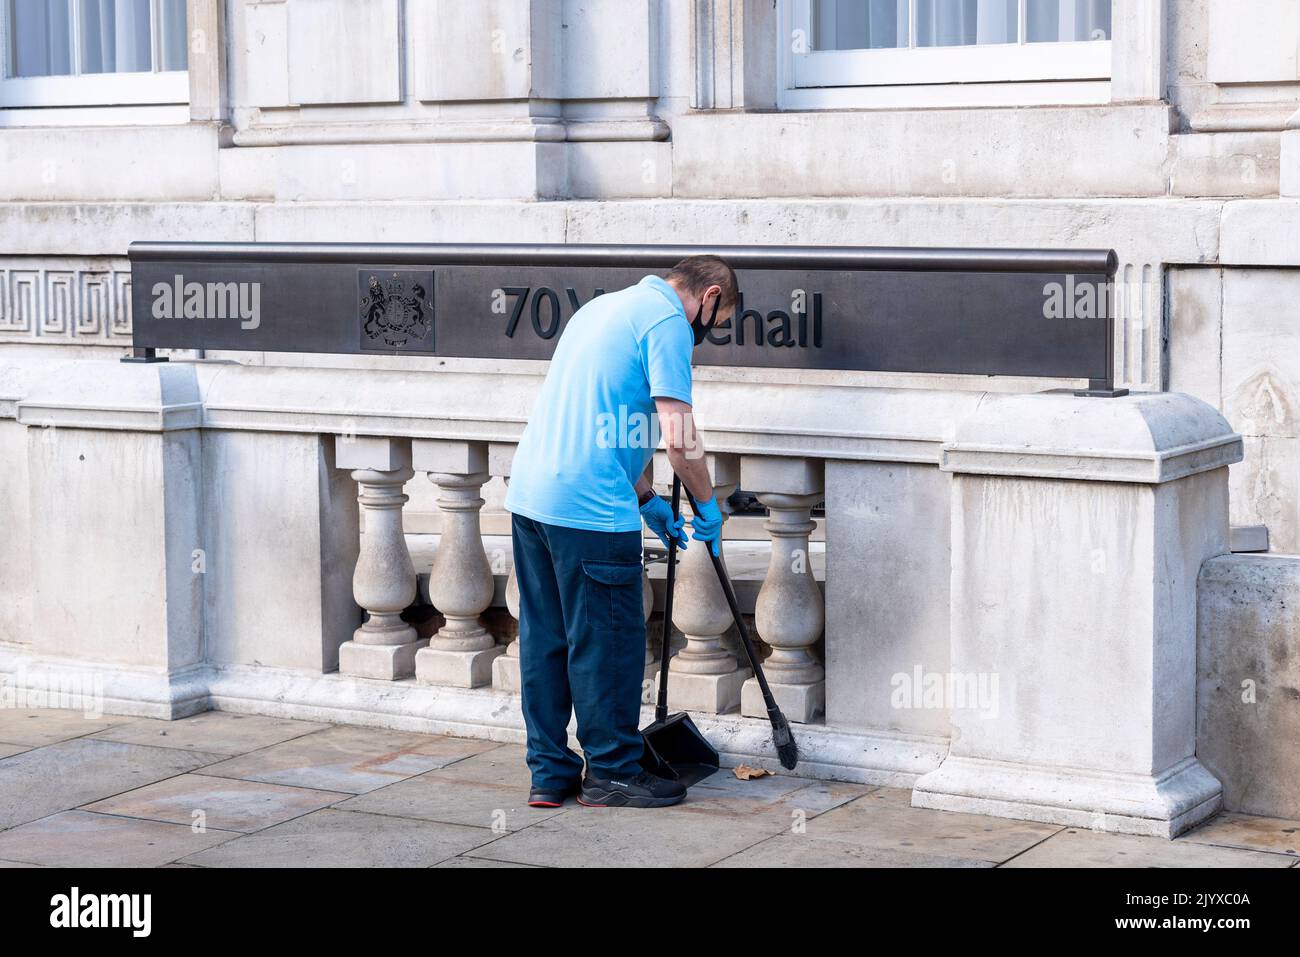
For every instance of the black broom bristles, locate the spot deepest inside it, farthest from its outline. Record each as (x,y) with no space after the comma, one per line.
(786,749)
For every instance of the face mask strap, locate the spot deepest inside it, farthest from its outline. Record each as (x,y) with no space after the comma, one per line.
(700,330)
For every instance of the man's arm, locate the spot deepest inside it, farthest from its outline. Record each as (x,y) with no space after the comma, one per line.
(685,449)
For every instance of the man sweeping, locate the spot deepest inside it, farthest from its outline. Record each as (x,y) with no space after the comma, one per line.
(578,497)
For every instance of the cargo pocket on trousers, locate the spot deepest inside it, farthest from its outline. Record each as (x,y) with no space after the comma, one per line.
(613,595)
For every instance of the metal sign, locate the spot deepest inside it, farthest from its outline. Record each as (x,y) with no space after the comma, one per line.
(976,311)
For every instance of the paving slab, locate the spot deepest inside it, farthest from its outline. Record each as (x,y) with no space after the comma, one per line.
(222,732)
(432,797)
(478,862)
(780,800)
(39,726)
(1252,833)
(86,839)
(503,764)
(332,838)
(1073,847)
(228,804)
(349,758)
(626,837)
(800,850)
(884,819)
(277,792)
(66,775)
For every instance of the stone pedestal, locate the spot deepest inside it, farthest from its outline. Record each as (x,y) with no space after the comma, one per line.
(1079,526)
(460,580)
(114,461)
(384,581)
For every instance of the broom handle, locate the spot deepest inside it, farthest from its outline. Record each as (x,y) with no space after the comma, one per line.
(730,594)
(661,707)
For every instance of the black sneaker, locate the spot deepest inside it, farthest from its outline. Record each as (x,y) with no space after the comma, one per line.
(641,790)
(545,797)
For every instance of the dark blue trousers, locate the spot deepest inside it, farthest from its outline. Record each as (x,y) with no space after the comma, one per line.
(581,648)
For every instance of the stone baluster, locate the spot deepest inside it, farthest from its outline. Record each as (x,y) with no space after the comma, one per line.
(505,668)
(790,612)
(460,579)
(384,581)
(706,675)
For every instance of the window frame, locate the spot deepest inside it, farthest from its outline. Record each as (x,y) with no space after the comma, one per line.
(155,87)
(1021,73)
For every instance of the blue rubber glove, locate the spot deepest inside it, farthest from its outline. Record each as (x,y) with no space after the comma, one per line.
(706,526)
(658,516)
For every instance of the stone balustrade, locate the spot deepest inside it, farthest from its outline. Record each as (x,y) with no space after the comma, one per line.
(708,673)
(236,535)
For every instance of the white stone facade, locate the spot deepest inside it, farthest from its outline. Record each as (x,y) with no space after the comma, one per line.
(632,121)
(663,120)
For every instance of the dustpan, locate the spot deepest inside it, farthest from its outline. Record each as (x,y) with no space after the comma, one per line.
(674,747)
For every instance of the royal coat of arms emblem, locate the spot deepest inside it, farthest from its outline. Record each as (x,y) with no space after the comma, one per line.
(395,312)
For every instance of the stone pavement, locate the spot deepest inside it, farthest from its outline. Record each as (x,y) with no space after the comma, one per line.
(221,789)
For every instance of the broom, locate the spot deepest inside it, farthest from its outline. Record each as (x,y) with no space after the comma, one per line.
(786,748)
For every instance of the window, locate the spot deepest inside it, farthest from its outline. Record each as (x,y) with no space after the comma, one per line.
(70,53)
(891,43)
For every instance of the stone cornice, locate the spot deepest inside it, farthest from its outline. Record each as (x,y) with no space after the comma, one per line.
(1100,465)
(810,420)
(130,418)
(1145,438)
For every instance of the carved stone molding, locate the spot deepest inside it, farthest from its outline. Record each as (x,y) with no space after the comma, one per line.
(1141,330)
(733,55)
(70,300)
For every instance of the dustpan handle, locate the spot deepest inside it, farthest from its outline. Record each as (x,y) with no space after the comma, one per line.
(661,707)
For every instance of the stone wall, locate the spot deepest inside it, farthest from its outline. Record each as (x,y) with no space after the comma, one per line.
(657,120)
(667,121)
(1248,700)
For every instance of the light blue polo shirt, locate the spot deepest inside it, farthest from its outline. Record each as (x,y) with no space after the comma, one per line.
(593,428)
